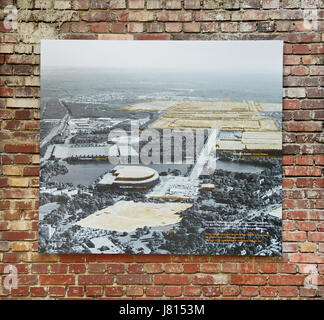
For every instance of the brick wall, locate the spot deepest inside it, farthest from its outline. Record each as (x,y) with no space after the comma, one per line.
(152,276)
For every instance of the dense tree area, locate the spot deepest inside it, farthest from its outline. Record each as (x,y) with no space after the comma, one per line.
(238,198)
(50,169)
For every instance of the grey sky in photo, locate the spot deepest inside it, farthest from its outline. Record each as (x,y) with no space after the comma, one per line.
(262,56)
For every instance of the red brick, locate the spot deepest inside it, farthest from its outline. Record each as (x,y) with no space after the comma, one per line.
(98,28)
(211,291)
(94,291)
(288,291)
(173,291)
(303,171)
(191,268)
(153,258)
(291,60)
(173,268)
(173,27)
(21,148)
(156,268)
(249,291)
(38,292)
(118,28)
(59,268)
(307,292)
(301,48)
(113,291)
(10,257)
(210,268)
(316,236)
(189,259)
(79,27)
(27,279)
(21,159)
(294,236)
(299,70)
(18,235)
(268,291)
(57,291)
(154,291)
(268,267)
(231,291)
(248,279)
(135,268)
(115,268)
(95,279)
(134,290)
(115,258)
(6,92)
(39,268)
(286,280)
(31,171)
(248,268)
(308,126)
(96,268)
(56,279)
(304,182)
(77,268)
(3,182)
(191,4)
(99,16)
(75,291)
(319,160)
(20,291)
(153,37)
(171,279)
(320,182)
(192,291)
(306,225)
(304,160)
(229,267)
(287,183)
(134,279)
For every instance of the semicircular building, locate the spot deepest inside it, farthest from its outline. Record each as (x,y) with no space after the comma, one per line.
(129,177)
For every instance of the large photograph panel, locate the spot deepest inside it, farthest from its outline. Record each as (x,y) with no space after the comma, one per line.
(161,147)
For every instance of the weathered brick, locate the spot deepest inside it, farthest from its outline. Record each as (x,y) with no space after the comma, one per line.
(154,4)
(113,291)
(173,4)
(117,4)
(171,279)
(136,4)
(134,290)
(248,279)
(98,4)
(56,279)
(171,291)
(134,279)
(154,291)
(95,279)
(192,4)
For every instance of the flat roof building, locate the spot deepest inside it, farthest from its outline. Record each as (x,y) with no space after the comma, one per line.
(129,177)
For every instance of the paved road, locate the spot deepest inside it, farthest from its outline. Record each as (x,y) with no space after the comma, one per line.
(58,129)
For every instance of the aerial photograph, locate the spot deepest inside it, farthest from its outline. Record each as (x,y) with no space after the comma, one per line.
(161,147)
